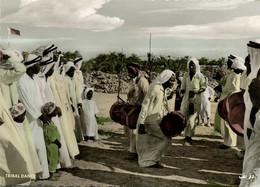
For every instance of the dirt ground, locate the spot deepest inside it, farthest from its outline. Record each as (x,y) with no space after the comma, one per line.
(102,163)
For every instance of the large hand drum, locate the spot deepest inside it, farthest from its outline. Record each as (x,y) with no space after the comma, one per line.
(173,124)
(232,110)
(125,114)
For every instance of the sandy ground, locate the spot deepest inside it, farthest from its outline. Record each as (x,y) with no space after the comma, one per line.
(102,163)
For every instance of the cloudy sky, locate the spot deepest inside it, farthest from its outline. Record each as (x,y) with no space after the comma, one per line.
(198,28)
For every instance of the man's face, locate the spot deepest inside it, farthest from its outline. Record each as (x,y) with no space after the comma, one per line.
(170,82)
(20,118)
(89,94)
(192,67)
(131,75)
(50,72)
(36,68)
(71,71)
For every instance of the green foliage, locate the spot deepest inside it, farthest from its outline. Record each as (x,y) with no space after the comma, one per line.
(115,62)
(109,63)
(102,120)
(71,55)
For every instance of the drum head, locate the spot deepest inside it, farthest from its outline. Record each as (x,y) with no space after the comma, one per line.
(222,109)
(236,112)
(173,124)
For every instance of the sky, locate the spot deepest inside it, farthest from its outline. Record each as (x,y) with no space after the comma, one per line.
(196,28)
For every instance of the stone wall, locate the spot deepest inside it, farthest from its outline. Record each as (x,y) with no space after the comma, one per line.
(108,83)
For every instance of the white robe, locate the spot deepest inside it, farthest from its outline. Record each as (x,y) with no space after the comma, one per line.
(14,157)
(152,145)
(71,90)
(67,119)
(205,103)
(196,83)
(89,108)
(232,85)
(29,96)
(251,162)
(78,77)
(47,96)
(10,94)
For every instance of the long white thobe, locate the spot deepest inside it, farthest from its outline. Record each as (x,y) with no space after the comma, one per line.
(153,144)
(14,157)
(29,96)
(78,78)
(67,118)
(251,163)
(10,93)
(90,109)
(196,83)
(232,85)
(47,96)
(71,90)
(205,103)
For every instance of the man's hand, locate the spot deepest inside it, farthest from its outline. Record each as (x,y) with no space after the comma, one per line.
(79,105)
(57,142)
(59,112)
(73,109)
(141,129)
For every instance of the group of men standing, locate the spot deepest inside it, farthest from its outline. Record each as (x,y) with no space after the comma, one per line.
(43,77)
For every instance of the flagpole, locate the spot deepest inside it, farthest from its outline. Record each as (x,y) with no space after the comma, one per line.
(8,37)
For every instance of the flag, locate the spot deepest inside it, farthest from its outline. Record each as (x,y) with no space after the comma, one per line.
(14,31)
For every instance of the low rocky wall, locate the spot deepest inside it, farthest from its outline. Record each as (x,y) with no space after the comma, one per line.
(108,83)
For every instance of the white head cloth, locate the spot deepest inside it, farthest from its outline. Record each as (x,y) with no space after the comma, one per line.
(238,63)
(163,77)
(196,62)
(47,67)
(68,65)
(254,59)
(13,53)
(32,57)
(17,110)
(87,90)
(58,61)
(79,63)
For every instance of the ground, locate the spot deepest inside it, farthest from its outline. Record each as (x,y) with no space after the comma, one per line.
(102,163)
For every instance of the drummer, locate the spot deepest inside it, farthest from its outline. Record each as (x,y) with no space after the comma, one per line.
(135,96)
(237,66)
(193,84)
(151,143)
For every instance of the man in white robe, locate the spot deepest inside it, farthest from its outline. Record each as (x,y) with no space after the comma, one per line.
(135,96)
(69,70)
(205,108)
(192,85)
(78,78)
(14,157)
(232,85)
(251,163)
(46,95)
(151,143)
(29,96)
(10,94)
(62,100)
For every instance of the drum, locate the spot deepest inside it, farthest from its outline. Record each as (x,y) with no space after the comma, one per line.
(173,124)
(125,114)
(232,110)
